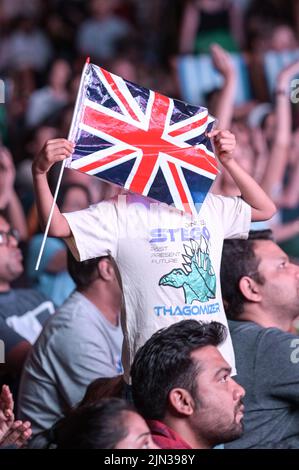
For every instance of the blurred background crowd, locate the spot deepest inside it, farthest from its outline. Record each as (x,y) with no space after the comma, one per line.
(235,56)
(240,58)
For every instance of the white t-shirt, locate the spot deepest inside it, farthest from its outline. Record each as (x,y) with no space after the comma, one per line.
(169,262)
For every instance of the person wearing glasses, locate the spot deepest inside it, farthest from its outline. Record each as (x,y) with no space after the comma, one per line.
(23,312)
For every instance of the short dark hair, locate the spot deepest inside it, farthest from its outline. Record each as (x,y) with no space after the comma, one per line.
(85,272)
(103,387)
(164,362)
(96,426)
(239,260)
(66,187)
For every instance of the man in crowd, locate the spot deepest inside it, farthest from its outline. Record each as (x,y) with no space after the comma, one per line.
(260,287)
(23,312)
(182,385)
(80,343)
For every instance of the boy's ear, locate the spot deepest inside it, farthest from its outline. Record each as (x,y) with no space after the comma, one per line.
(106,269)
(181,401)
(250,289)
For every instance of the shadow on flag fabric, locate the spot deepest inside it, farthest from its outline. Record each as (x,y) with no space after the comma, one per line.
(143,141)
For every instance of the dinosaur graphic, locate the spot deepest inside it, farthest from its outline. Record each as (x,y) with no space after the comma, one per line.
(198,277)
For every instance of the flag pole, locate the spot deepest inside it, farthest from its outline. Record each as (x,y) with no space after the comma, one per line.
(70,137)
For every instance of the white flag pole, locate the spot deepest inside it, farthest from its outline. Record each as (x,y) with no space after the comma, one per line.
(70,137)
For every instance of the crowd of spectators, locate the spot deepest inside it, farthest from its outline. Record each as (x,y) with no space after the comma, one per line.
(251,51)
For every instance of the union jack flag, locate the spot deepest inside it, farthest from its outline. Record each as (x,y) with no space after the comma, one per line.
(144,141)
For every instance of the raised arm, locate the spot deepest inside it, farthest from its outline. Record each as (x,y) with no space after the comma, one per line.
(224,106)
(225,102)
(237,23)
(54,150)
(262,207)
(277,162)
(189,28)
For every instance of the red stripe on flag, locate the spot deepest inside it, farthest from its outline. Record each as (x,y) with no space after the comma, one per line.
(180,187)
(119,94)
(208,162)
(104,161)
(149,142)
(189,127)
(143,172)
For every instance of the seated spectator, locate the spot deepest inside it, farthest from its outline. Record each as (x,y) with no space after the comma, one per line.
(82,342)
(99,389)
(27,46)
(12,433)
(52,278)
(260,291)
(181,385)
(10,203)
(98,35)
(208,21)
(23,312)
(50,99)
(283,38)
(111,423)
(33,142)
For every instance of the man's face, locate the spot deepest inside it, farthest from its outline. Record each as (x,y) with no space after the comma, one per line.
(11,265)
(218,416)
(280,289)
